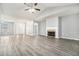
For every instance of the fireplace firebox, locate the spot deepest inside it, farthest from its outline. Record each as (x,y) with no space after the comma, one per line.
(51,33)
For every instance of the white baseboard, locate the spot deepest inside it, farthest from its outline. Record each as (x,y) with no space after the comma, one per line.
(70,38)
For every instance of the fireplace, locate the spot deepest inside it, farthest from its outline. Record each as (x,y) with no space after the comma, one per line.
(51,33)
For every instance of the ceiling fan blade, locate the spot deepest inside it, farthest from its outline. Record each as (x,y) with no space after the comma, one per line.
(28,4)
(26,9)
(37,9)
(35,4)
(24,3)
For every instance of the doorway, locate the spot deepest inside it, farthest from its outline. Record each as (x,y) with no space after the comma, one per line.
(36,29)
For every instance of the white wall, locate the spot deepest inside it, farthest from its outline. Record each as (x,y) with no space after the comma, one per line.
(52,22)
(42,28)
(70,27)
(59,27)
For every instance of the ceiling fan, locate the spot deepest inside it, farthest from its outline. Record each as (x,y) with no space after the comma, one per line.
(32,7)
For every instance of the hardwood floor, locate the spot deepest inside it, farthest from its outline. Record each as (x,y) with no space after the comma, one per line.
(21,45)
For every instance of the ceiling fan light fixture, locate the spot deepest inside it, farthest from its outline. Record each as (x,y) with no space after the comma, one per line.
(32,10)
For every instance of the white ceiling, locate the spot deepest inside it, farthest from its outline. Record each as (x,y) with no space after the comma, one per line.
(17,10)
(55,4)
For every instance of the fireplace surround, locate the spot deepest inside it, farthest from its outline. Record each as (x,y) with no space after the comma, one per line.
(52,31)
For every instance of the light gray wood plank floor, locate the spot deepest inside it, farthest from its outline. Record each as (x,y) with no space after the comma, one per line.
(21,45)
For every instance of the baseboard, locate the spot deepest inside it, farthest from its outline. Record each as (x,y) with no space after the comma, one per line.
(42,35)
(70,38)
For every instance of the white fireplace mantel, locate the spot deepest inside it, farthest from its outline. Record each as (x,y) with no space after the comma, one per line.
(52,29)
